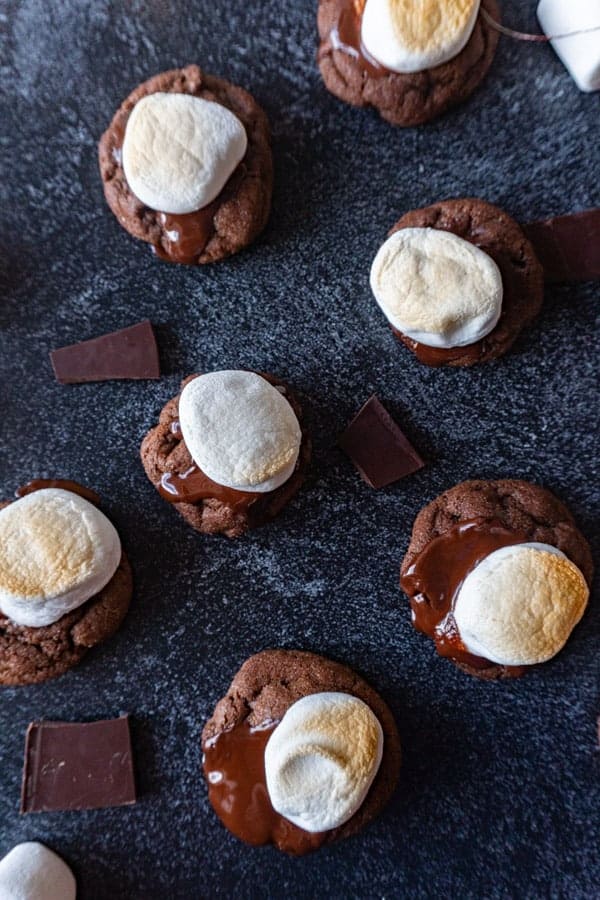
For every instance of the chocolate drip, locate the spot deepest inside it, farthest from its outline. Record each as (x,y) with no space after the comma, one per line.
(433,580)
(234,765)
(39,484)
(346,37)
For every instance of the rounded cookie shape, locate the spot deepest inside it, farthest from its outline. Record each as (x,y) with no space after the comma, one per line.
(215,508)
(240,211)
(402,98)
(268,684)
(492,230)
(529,512)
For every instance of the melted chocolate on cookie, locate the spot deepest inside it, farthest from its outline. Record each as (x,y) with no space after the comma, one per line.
(40,484)
(433,580)
(234,765)
(346,37)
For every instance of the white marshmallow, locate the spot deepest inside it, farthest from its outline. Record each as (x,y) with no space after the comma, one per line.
(56,551)
(580,53)
(321,760)
(414,35)
(240,430)
(179,151)
(33,872)
(520,604)
(437,288)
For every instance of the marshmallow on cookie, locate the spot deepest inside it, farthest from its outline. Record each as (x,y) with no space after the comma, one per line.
(240,430)
(321,759)
(31,871)
(437,288)
(519,605)
(57,551)
(407,36)
(573,27)
(179,151)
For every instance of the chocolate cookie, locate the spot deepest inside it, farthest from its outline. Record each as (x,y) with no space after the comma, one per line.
(519,512)
(264,689)
(32,655)
(227,224)
(223,510)
(494,232)
(402,98)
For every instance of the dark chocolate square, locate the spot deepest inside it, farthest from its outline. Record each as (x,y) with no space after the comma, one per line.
(377,447)
(128,353)
(73,766)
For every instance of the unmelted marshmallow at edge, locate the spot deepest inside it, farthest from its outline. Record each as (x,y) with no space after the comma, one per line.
(56,551)
(414,35)
(437,288)
(321,760)
(520,604)
(240,430)
(31,871)
(179,151)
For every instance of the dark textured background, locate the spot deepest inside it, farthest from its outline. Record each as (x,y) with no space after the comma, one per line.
(499,791)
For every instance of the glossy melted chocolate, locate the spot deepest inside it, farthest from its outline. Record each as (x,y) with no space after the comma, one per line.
(433,580)
(39,484)
(346,37)
(234,765)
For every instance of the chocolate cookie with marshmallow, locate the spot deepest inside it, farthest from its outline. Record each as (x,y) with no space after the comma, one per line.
(299,753)
(457,282)
(498,576)
(186,166)
(31,871)
(65,582)
(229,452)
(411,61)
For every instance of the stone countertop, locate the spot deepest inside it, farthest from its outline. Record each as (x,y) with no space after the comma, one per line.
(499,790)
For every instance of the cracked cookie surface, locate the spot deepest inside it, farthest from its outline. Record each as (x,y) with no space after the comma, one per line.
(405,99)
(518,506)
(266,686)
(241,210)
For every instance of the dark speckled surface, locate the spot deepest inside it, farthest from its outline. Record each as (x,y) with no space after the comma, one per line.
(499,791)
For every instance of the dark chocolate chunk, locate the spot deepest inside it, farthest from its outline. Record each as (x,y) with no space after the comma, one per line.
(72,766)
(568,247)
(129,353)
(377,447)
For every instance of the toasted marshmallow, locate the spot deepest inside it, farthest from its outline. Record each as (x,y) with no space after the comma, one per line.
(580,50)
(321,760)
(437,288)
(180,150)
(56,551)
(33,872)
(240,430)
(414,35)
(520,604)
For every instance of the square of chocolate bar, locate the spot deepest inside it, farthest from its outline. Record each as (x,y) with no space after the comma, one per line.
(74,766)
(128,353)
(377,447)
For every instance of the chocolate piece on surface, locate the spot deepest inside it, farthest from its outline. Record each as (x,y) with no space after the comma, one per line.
(74,766)
(568,246)
(128,353)
(377,446)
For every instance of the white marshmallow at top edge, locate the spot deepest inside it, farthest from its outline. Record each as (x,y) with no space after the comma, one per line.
(33,872)
(414,35)
(519,605)
(56,551)
(580,53)
(437,288)
(240,430)
(179,151)
(321,759)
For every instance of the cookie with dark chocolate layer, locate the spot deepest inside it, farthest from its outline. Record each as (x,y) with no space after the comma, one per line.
(167,460)
(227,224)
(32,655)
(264,689)
(529,512)
(404,99)
(497,234)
